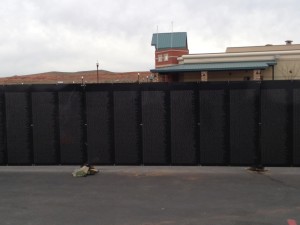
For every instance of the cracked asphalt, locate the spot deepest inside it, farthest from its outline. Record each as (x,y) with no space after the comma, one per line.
(140,195)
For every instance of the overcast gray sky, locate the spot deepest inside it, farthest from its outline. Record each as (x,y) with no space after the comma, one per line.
(71,35)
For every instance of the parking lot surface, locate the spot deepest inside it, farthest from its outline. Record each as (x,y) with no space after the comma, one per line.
(142,195)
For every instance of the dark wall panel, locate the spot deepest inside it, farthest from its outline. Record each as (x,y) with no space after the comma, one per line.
(296,128)
(154,116)
(213,127)
(99,121)
(127,127)
(71,127)
(243,126)
(274,129)
(154,124)
(45,129)
(183,128)
(3,152)
(18,128)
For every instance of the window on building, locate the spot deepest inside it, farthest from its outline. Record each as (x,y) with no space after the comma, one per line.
(166,57)
(159,58)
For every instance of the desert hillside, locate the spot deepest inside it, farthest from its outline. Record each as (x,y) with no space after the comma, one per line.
(76,77)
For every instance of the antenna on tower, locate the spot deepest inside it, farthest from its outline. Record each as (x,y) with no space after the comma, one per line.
(172,35)
(157,37)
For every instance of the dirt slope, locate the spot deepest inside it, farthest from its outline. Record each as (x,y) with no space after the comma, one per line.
(76,77)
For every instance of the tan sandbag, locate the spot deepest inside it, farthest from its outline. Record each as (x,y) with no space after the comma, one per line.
(84,171)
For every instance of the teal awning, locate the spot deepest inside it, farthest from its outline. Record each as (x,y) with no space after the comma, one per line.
(197,67)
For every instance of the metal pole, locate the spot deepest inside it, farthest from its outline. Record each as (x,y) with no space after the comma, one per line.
(97,64)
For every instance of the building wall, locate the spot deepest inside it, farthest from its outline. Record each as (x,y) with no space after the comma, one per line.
(240,57)
(287,68)
(239,75)
(190,77)
(267,74)
(265,48)
(218,58)
(168,57)
(229,75)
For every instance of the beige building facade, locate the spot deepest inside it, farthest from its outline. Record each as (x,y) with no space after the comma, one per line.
(269,62)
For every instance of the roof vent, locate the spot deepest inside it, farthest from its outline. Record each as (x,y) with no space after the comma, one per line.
(288,42)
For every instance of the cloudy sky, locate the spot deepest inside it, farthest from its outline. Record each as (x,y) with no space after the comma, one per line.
(71,35)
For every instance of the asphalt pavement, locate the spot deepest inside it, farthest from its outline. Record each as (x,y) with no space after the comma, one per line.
(143,195)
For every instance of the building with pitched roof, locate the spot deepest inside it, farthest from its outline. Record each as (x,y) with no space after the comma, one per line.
(269,62)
